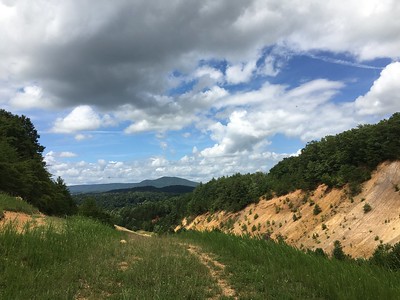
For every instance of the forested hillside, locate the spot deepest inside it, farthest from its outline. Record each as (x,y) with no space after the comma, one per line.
(22,168)
(344,159)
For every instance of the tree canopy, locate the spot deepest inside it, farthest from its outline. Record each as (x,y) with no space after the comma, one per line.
(22,168)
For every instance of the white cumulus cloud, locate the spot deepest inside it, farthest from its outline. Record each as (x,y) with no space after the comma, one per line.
(384,95)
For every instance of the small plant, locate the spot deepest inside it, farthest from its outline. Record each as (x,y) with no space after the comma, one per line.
(244,227)
(367,208)
(317,209)
(295,218)
(396,187)
(324,227)
(376,238)
(255,216)
(277,209)
(338,250)
(253,228)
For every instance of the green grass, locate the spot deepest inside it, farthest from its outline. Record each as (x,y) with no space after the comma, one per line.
(17,205)
(83,259)
(86,259)
(261,269)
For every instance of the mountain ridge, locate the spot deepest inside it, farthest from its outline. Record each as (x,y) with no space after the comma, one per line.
(161,182)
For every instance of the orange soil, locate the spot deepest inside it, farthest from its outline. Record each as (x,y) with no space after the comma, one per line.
(360,233)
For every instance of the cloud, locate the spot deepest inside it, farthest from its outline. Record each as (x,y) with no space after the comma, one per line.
(384,95)
(104,57)
(67,154)
(240,73)
(306,112)
(194,167)
(31,97)
(81,118)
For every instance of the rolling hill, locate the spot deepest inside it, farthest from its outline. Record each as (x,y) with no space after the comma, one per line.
(158,183)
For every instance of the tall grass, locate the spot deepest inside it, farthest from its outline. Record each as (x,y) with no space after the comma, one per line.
(260,269)
(84,259)
(18,205)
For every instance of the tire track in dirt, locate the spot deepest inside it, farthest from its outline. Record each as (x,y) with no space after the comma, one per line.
(216,271)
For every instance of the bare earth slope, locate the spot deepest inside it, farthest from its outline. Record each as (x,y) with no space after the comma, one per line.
(342,217)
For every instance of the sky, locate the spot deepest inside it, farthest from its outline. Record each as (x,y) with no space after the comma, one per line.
(122,91)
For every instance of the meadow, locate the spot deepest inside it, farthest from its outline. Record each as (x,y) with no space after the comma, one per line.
(80,258)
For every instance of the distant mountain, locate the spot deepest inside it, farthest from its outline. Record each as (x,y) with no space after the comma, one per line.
(158,183)
(167,181)
(171,189)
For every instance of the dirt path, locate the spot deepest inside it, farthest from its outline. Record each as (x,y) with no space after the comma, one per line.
(120,228)
(216,271)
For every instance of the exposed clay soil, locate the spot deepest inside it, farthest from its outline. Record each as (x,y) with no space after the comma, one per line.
(343,217)
(21,219)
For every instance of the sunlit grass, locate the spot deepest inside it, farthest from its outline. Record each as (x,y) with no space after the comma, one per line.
(17,205)
(86,260)
(260,269)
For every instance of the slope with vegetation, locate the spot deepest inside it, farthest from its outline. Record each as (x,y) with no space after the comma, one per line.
(22,168)
(315,219)
(84,259)
(339,163)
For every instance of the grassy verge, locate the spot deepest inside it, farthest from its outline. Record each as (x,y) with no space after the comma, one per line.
(18,205)
(260,269)
(86,260)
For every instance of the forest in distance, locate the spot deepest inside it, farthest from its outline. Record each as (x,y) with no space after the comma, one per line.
(347,158)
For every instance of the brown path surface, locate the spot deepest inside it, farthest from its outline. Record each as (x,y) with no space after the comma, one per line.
(216,270)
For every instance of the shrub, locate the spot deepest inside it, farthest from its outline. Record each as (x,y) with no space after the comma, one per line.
(367,208)
(317,209)
(387,256)
(338,251)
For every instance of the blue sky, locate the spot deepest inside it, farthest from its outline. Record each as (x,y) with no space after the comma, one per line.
(131,90)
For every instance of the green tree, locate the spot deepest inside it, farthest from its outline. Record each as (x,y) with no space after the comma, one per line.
(338,251)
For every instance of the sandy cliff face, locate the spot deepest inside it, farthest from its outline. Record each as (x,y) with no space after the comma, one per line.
(341,218)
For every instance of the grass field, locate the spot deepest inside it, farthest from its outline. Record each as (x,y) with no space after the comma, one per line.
(259,269)
(17,205)
(78,258)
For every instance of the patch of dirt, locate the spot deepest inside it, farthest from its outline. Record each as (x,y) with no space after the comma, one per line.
(216,271)
(120,228)
(20,220)
(342,217)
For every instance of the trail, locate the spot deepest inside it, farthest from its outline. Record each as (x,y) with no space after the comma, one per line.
(216,271)
(120,228)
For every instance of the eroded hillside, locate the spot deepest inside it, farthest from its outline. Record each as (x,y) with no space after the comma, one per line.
(342,217)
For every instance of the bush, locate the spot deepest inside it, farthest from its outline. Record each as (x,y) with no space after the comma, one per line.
(367,208)
(387,256)
(338,251)
(317,209)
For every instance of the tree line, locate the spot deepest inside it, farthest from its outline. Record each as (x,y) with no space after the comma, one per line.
(347,158)
(23,170)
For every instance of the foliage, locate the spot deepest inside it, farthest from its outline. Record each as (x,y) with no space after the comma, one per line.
(90,209)
(387,256)
(367,208)
(227,193)
(348,157)
(338,251)
(317,210)
(22,168)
